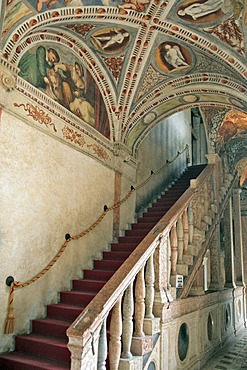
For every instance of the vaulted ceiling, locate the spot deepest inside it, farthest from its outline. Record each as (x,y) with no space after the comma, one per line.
(146,59)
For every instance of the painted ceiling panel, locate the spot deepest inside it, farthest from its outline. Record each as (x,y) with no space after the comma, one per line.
(123,66)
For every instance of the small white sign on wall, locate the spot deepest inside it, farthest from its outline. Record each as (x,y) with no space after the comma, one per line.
(179,281)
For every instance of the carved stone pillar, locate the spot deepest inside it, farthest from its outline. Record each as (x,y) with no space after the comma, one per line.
(215,159)
(238,239)
(197,287)
(229,247)
(216,281)
(162,268)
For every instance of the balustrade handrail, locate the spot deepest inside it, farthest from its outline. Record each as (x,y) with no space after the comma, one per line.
(199,259)
(97,310)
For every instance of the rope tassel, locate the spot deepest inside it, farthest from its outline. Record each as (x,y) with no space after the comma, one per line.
(10,321)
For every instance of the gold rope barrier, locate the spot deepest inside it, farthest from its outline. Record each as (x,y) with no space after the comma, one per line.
(9,326)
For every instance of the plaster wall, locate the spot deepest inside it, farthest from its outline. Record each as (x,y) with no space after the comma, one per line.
(47,190)
(244,231)
(162,144)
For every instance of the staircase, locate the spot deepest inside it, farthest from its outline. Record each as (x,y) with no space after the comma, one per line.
(46,346)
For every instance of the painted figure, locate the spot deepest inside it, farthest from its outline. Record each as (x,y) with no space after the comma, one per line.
(138,5)
(83,109)
(34,66)
(198,10)
(49,3)
(116,37)
(174,57)
(72,82)
(68,89)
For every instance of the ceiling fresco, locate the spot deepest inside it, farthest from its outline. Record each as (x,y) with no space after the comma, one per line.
(121,66)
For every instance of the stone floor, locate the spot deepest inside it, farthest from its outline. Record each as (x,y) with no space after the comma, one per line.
(233,356)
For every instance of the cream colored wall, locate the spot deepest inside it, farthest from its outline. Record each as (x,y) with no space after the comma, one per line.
(47,190)
(162,144)
(244,231)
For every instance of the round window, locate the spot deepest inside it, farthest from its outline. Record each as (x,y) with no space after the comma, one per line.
(210,327)
(183,341)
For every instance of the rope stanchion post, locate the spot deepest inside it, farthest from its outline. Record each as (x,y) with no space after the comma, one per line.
(9,327)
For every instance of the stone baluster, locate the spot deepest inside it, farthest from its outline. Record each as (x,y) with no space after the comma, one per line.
(196,206)
(229,247)
(139,304)
(169,264)
(206,196)
(191,223)
(238,238)
(128,311)
(149,279)
(202,202)
(115,336)
(162,269)
(180,237)
(102,353)
(174,249)
(185,230)
(217,280)
(198,284)
(217,178)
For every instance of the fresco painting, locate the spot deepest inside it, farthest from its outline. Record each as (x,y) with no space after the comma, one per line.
(172,57)
(15,10)
(234,125)
(241,167)
(43,5)
(110,40)
(64,79)
(201,11)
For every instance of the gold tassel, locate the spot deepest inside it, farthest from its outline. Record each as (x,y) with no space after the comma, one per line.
(10,322)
